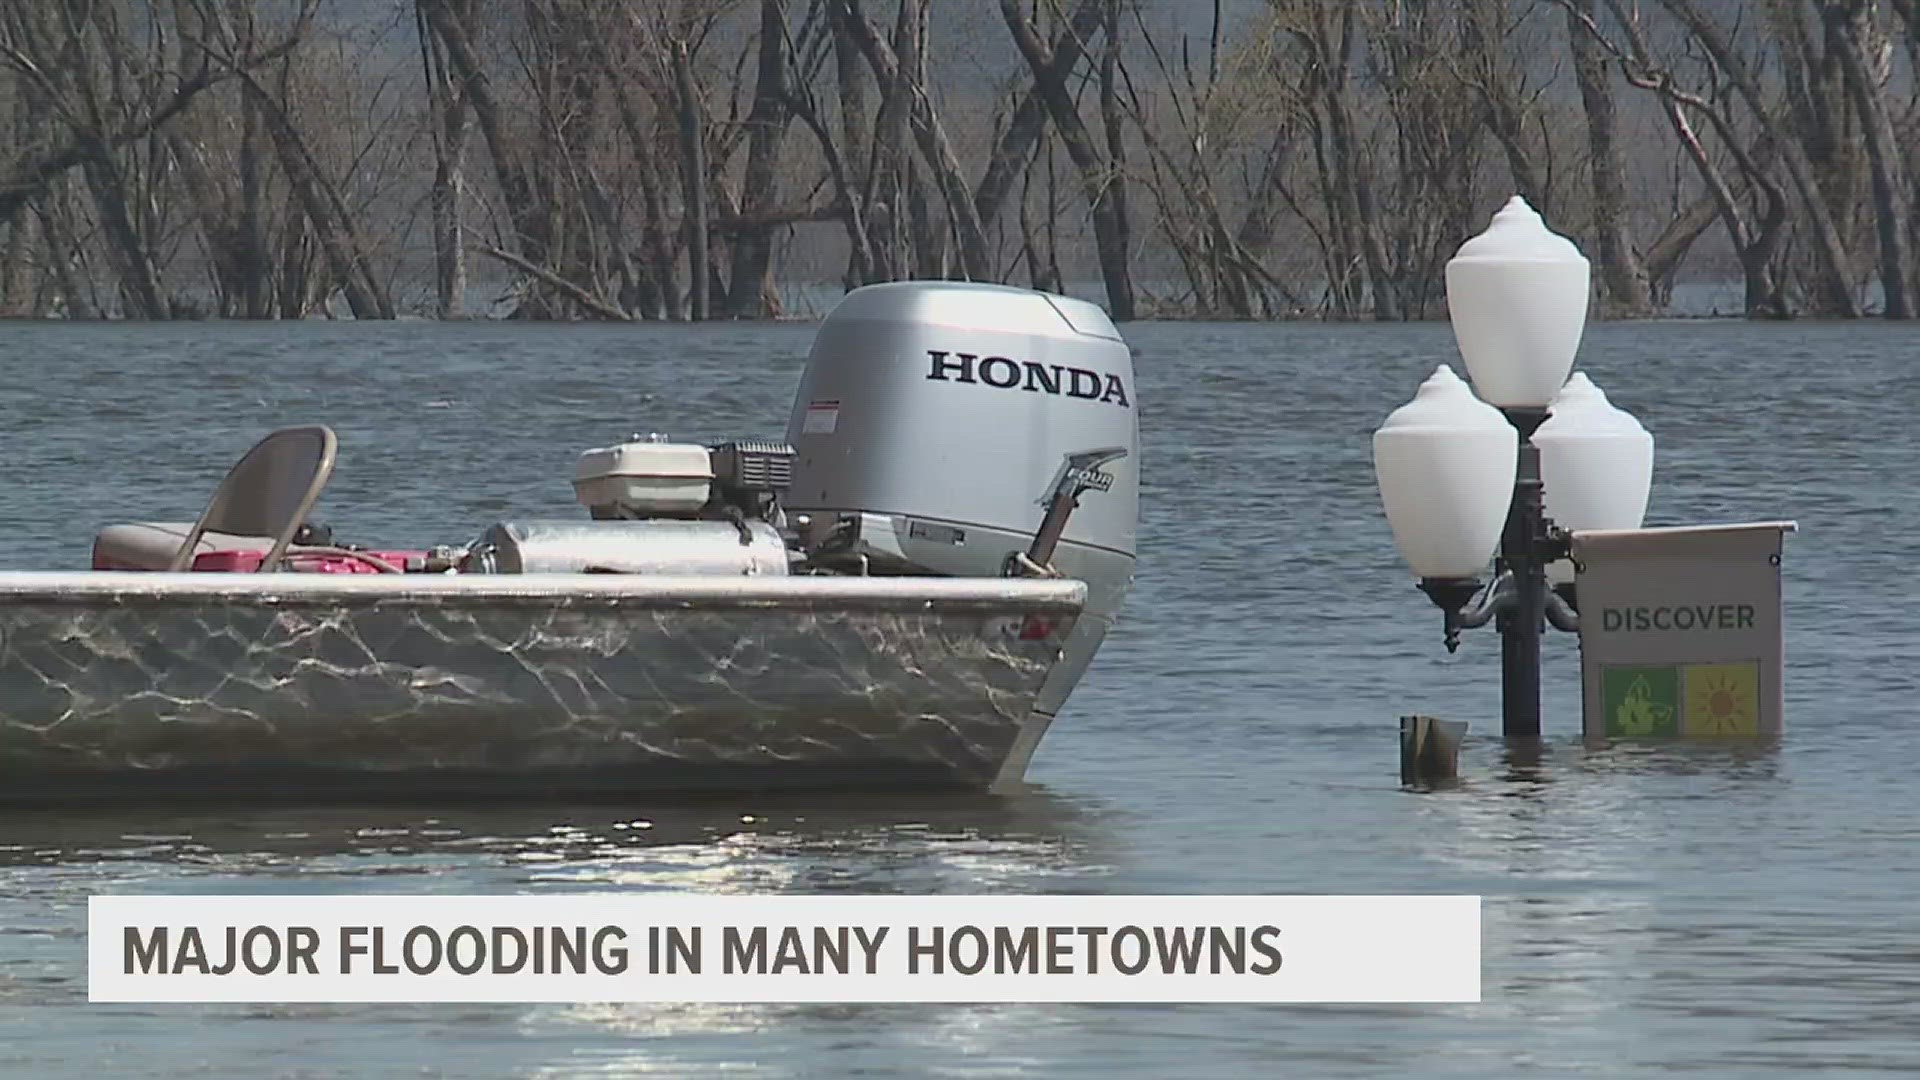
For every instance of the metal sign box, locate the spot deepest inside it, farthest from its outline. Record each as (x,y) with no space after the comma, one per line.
(1680,631)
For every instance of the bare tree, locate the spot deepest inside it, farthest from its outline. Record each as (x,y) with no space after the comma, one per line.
(1623,275)
(1861,43)
(698,158)
(1103,182)
(449,124)
(113,90)
(1756,220)
(899,67)
(752,293)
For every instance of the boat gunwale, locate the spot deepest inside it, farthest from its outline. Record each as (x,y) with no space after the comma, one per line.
(703,592)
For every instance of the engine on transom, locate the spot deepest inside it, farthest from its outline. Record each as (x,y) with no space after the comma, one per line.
(939,428)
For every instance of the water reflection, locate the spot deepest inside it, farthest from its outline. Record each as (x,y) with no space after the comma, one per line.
(868,844)
(1035,841)
(1528,769)
(710,1039)
(1581,810)
(1731,759)
(1573,848)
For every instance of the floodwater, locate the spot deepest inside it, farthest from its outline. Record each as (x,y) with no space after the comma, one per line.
(1720,912)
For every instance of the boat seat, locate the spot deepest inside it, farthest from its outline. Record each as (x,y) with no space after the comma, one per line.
(152,545)
(267,494)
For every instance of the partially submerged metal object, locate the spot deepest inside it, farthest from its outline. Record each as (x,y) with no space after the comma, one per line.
(1430,750)
(904,592)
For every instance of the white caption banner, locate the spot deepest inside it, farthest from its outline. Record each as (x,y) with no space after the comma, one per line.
(664,947)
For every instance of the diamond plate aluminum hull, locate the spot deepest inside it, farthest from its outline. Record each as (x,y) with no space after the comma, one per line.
(136,685)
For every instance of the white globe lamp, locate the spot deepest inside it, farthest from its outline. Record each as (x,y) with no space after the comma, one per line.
(1517,297)
(1596,465)
(1445,465)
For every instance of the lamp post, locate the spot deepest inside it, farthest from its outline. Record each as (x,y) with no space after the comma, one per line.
(1461,475)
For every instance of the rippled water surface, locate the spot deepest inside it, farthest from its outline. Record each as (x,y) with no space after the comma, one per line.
(1736,913)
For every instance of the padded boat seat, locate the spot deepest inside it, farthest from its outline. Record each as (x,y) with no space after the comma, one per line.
(151,545)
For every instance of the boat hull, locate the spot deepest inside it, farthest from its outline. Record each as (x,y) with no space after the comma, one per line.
(122,685)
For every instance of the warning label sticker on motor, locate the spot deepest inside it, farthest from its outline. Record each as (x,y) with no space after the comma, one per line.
(821,419)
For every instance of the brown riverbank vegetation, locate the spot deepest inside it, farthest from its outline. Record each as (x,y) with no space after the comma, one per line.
(723,159)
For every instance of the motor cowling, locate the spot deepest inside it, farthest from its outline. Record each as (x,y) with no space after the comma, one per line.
(935,419)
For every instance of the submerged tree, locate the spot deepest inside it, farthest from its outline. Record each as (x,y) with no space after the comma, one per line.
(698,159)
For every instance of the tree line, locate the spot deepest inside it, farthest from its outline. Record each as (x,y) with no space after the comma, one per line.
(695,159)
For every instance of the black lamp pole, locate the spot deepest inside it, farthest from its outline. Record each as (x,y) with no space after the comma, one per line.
(1524,555)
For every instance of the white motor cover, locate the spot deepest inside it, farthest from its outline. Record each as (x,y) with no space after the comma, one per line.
(644,479)
(957,403)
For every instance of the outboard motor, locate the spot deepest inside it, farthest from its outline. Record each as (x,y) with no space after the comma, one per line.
(941,428)
(947,428)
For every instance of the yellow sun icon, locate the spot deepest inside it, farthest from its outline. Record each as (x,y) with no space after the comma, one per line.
(1721,699)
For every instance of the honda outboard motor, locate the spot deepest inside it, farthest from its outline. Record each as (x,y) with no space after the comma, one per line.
(938,423)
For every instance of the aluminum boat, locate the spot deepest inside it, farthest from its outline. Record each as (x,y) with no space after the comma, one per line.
(903,591)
